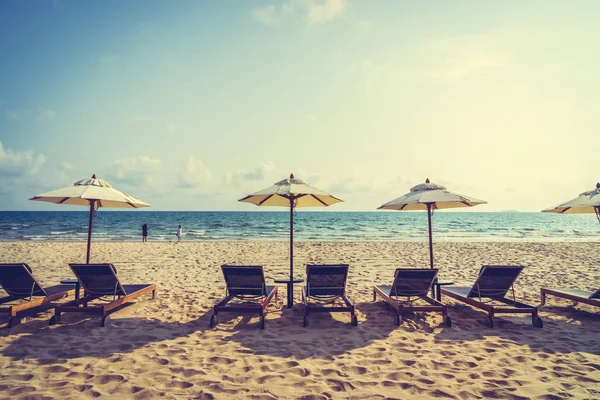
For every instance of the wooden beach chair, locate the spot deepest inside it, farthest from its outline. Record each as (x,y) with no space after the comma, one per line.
(247,292)
(577,295)
(101,287)
(25,292)
(410,287)
(325,287)
(489,291)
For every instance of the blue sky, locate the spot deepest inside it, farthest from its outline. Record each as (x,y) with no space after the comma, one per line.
(190,105)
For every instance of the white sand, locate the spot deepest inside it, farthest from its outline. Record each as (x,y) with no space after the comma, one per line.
(164,347)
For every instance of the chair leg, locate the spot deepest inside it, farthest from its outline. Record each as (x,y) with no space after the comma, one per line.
(448,321)
(536,321)
(214,319)
(14,321)
(446,318)
(55,319)
(543,296)
(374,295)
(305,317)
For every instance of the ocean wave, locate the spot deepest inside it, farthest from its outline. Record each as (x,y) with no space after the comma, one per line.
(119,226)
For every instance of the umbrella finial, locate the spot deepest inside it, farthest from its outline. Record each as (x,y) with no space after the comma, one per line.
(598,185)
(94,176)
(427,180)
(292,176)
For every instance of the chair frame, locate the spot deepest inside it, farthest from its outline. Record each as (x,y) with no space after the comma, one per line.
(81,305)
(507,306)
(401,307)
(312,307)
(569,296)
(250,307)
(35,300)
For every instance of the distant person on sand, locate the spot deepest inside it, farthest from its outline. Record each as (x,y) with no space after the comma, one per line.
(178,233)
(145,233)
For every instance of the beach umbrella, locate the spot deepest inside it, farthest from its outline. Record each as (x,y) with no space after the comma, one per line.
(587,202)
(93,193)
(429,196)
(292,193)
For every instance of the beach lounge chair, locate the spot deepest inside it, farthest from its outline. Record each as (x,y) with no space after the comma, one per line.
(102,287)
(412,285)
(326,286)
(25,292)
(580,296)
(489,291)
(246,288)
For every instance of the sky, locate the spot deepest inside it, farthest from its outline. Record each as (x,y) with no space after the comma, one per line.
(191,105)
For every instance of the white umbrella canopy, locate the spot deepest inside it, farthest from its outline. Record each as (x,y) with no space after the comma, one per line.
(86,190)
(94,193)
(587,203)
(429,196)
(281,192)
(292,193)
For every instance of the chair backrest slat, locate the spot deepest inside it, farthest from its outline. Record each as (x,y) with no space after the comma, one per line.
(595,295)
(326,279)
(494,281)
(18,282)
(413,281)
(244,280)
(98,279)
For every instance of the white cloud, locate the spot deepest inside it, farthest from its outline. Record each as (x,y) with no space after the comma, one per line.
(66,165)
(153,176)
(45,114)
(269,15)
(259,173)
(323,11)
(312,11)
(14,165)
(194,174)
(137,171)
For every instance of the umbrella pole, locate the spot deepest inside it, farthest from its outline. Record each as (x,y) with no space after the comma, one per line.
(89,244)
(290,291)
(430,237)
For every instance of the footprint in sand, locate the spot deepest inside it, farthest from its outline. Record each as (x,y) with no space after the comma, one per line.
(79,375)
(266,378)
(339,386)
(82,388)
(22,390)
(22,378)
(55,369)
(179,385)
(107,378)
(221,360)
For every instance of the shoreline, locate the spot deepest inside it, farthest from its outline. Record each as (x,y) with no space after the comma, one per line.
(308,241)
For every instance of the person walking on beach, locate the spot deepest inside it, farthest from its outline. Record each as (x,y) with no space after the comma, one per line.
(145,233)
(178,233)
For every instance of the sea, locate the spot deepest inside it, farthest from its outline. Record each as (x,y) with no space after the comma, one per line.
(308,226)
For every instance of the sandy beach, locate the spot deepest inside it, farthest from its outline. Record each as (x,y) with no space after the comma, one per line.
(164,347)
